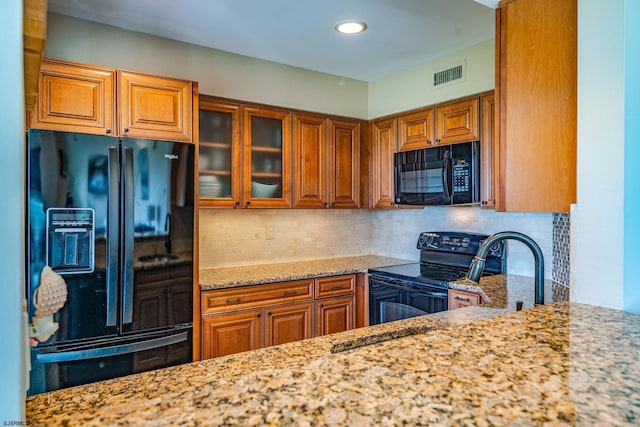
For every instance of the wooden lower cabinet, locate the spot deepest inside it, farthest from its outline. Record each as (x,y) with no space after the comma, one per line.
(231,333)
(287,323)
(461,299)
(335,314)
(250,317)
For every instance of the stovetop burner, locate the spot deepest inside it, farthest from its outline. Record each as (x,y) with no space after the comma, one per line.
(429,274)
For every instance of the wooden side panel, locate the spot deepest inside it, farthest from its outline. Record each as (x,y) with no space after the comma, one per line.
(384,145)
(310,160)
(288,323)
(75,98)
(487,141)
(537,105)
(345,164)
(362,300)
(154,107)
(231,333)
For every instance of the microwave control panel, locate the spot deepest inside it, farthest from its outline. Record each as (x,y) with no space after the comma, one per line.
(461,178)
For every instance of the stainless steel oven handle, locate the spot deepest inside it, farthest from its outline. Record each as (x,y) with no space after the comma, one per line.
(70,356)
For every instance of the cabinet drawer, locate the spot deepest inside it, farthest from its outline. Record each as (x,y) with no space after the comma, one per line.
(256,296)
(460,299)
(335,285)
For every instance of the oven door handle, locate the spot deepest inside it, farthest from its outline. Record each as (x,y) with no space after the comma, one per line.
(70,356)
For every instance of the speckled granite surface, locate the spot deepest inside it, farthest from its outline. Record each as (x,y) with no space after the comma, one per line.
(228,277)
(558,364)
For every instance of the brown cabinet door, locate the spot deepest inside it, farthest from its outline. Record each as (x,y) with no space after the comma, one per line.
(384,145)
(344,175)
(231,333)
(154,107)
(267,156)
(310,160)
(487,156)
(219,150)
(287,323)
(75,98)
(457,122)
(416,130)
(460,299)
(335,314)
(536,105)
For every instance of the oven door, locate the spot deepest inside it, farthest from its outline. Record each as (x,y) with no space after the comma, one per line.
(394,299)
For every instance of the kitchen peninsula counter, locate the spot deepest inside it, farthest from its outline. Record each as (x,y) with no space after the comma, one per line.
(563,363)
(229,277)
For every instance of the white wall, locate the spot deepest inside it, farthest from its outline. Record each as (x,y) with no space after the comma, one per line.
(12,369)
(597,218)
(217,73)
(413,87)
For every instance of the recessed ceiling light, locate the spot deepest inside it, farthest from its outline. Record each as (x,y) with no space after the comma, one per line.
(350,27)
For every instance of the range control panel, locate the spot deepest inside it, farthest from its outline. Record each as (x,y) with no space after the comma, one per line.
(464,243)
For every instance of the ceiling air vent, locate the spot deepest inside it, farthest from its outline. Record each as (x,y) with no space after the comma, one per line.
(453,74)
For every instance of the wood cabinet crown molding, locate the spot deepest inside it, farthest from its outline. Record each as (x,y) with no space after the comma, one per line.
(34,30)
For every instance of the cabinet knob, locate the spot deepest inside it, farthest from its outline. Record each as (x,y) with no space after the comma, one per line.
(107,131)
(333,203)
(484,202)
(429,141)
(126,130)
(258,315)
(437,139)
(269,313)
(237,203)
(321,305)
(248,202)
(326,204)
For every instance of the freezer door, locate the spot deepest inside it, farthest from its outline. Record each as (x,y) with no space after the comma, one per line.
(72,226)
(57,367)
(157,234)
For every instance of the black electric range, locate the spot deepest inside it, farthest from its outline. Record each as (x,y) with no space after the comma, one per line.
(407,290)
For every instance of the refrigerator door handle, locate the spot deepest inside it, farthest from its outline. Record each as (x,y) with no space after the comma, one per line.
(127,235)
(112,237)
(70,356)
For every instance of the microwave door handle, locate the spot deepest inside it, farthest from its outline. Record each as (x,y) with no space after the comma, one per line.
(445,178)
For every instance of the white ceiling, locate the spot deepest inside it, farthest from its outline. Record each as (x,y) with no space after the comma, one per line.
(401,33)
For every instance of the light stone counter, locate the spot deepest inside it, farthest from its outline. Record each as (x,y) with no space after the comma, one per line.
(557,364)
(229,277)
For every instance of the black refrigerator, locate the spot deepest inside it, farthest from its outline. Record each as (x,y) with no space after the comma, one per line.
(114,217)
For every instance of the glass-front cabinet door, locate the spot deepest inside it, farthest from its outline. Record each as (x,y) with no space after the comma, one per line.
(267,157)
(219,155)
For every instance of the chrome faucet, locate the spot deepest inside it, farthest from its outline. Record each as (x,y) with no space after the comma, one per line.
(167,229)
(477,265)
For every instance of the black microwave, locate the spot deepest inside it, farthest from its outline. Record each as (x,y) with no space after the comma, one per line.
(445,175)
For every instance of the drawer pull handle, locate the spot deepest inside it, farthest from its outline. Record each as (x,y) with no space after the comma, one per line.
(462,299)
(234,301)
(288,293)
(333,287)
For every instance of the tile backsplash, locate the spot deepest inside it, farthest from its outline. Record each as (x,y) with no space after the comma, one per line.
(238,237)
(561,255)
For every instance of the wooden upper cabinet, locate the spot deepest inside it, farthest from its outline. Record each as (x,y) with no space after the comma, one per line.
(75,98)
(536,104)
(457,122)
(267,157)
(219,148)
(416,130)
(384,145)
(487,151)
(154,107)
(344,174)
(310,161)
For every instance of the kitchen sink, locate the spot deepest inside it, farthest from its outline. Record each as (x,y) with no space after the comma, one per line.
(158,258)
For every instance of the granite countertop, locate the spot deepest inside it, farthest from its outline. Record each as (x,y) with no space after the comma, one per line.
(556,364)
(229,277)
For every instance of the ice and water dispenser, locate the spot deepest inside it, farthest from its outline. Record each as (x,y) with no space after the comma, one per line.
(70,240)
